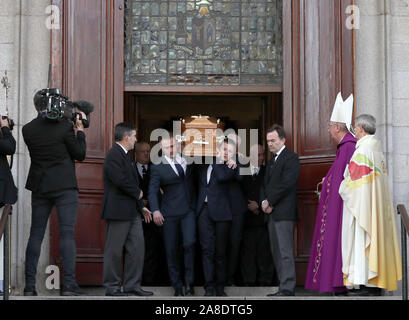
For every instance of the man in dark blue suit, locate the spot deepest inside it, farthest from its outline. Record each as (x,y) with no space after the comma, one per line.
(238,206)
(176,213)
(214,218)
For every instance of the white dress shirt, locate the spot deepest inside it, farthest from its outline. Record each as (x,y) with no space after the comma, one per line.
(126,151)
(178,159)
(209,173)
(265,202)
(254,170)
(140,168)
(278,153)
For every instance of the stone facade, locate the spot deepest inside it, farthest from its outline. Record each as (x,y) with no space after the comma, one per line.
(24,53)
(382,82)
(382,89)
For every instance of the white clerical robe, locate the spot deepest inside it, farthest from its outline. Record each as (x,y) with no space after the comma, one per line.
(370,247)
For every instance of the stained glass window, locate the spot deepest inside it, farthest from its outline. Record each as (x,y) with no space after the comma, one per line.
(219,42)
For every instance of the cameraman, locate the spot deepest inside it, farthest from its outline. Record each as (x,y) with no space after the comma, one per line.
(8,191)
(53,147)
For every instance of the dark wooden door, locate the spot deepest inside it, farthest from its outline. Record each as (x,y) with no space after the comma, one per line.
(318,63)
(87,58)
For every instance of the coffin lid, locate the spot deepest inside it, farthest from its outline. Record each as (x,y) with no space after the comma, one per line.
(201,122)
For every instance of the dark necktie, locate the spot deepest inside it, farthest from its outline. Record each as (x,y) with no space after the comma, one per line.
(144,172)
(180,170)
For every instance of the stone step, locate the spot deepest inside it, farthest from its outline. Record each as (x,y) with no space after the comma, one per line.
(233,293)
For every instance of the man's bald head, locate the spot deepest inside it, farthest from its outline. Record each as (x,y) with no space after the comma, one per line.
(142,152)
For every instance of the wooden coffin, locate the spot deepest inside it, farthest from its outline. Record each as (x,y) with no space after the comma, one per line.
(200,134)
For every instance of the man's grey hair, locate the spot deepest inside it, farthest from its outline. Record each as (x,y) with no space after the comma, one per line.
(342,126)
(367,122)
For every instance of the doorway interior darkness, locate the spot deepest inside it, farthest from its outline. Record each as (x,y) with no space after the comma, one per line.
(238,111)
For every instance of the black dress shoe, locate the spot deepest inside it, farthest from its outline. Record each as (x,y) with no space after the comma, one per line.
(116,293)
(139,292)
(365,292)
(178,292)
(73,290)
(189,291)
(281,294)
(30,292)
(209,292)
(220,292)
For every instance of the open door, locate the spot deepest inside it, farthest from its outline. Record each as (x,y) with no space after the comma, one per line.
(87,60)
(318,63)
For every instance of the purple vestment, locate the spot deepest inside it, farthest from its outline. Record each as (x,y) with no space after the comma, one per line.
(325,265)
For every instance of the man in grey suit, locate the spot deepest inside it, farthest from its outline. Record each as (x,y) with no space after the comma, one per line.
(122,209)
(278,197)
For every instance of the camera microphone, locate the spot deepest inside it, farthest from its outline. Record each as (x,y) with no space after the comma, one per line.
(84,106)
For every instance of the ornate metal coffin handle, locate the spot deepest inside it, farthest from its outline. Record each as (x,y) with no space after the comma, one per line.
(220,139)
(200,117)
(180,138)
(317,192)
(200,141)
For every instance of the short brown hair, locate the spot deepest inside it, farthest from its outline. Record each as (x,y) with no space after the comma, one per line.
(123,129)
(279,129)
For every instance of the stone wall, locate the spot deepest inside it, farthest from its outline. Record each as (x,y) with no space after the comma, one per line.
(382,83)
(399,51)
(24,53)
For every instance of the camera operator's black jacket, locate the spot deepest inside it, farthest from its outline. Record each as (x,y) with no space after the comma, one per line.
(53,148)
(8,191)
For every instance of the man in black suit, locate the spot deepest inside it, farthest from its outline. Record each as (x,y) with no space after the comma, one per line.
(215,217)
(256,261)
(122,208)
(53,147)
(155,257)
(279,200)
(176,213)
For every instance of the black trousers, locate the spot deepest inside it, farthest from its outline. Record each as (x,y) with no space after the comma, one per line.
(155,256)
(236,235)
(175,228)
(257,266)
(214,237)
(66,202)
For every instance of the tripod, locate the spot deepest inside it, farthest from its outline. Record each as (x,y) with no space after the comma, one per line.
(5,230)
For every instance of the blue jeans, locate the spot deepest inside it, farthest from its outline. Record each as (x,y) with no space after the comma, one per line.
(66,202)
